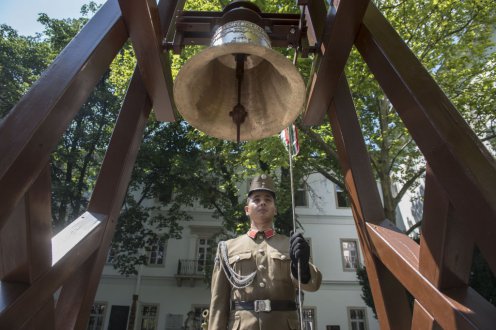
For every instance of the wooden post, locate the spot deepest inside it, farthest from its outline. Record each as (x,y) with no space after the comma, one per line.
(389,295)
(28,137)
(26,250)
(462,165)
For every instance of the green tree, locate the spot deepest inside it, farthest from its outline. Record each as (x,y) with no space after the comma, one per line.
(22,59)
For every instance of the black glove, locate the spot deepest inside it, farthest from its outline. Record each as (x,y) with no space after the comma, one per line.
(299,250)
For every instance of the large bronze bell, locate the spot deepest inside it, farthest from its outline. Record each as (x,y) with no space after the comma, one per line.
(239,88)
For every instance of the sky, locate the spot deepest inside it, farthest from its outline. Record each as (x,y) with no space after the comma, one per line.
(22,15)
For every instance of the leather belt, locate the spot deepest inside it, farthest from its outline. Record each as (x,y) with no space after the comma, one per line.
(264,305)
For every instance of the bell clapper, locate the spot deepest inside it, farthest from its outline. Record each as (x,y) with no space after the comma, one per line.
(239,113)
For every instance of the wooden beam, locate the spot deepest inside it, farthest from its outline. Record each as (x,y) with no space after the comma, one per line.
(26,247)
(389,296)
(16,299)
(446,245)
(44,319)
(69,308)
(315,16)
(354,157)
(65,243)
(167,12)
(66,240)
(339,35)
(39,232)
(113,178)
(13,246)
(39,221)
(78,293)
(422,320)
(143,22)
(461,163)
(459,308)
(28,136)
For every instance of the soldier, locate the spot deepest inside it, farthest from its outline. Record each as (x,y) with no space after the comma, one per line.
(254,279)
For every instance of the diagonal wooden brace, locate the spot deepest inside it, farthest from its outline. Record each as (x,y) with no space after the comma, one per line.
(143,23)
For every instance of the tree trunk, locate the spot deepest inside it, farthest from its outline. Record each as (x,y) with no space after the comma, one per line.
(385,160)
(389,204)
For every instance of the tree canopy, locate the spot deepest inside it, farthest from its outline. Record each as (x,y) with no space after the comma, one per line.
(452,40)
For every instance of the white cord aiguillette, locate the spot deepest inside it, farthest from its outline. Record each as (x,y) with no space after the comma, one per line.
(237,281)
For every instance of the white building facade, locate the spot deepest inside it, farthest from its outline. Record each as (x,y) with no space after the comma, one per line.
(170,292)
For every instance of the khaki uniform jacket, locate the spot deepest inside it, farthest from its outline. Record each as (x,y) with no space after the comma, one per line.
(270,259)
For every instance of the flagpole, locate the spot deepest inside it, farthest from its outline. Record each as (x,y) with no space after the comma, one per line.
(293,208)
(290,152)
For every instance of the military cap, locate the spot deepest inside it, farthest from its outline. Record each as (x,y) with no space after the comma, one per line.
(262,182)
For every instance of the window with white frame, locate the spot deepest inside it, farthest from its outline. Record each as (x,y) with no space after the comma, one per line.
(97,316)
(203,254)
(148,316)
(342,199)
(357,318)
(333,327)
(156,253)
(173,321)
(349,253)
(309,319)
(301,195)
(110,255)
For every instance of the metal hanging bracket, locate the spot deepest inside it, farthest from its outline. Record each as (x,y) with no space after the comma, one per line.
(198,27)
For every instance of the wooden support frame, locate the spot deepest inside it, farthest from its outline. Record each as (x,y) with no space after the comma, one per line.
(338,36)
(460,179)
(316,20)
(389,295)
(422,320)
(107,199)
(439,130)
(25,263)
(57,97)
(142,21)
(446,246)
(18,301)
(79,251)
(452,309)
(447,300)
(445,256)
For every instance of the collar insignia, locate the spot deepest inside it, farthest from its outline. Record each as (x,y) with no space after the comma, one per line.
(268,233)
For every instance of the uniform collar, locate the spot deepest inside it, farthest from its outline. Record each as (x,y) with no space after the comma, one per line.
(268,233)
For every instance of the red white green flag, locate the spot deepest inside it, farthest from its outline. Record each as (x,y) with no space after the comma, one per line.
(289,136)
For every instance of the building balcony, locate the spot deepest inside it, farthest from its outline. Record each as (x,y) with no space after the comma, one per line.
(192,271)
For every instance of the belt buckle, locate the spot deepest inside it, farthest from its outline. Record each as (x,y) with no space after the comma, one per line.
(262,305)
